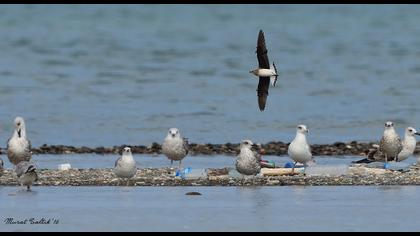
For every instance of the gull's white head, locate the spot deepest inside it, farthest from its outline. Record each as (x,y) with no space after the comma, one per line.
(246,144)
(127,151)
(174,133)
(389,125)
(19,126)
(411,131)
(255,72)
(302,129)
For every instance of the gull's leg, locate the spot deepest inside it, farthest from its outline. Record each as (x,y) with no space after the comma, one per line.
(179,167)
(172,161)
(28,188)
(293,168)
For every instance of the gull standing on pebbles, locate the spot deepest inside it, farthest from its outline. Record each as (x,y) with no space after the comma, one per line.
(408,147)
(409,144)
(390,144)
(299,149)
(26,172)
(247,162)
(264,72)
(18,146)
(174,146)
(125,166)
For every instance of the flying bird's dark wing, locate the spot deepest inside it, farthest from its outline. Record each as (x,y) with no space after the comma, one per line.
(262,52)
(264,82)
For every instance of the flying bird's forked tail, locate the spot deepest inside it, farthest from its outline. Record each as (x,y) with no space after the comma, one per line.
(273,79)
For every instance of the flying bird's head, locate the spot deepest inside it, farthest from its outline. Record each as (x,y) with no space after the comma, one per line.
(127,151)
(389,125)
(246,144)
(411,131)
(255,72)
(173,132)
(19,125)
(302,129)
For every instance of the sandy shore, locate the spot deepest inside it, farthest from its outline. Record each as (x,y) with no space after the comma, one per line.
(272,148)
(215,177)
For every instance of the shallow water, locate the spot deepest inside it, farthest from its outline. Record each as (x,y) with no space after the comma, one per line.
(109,75)
(85,161)
(283,208)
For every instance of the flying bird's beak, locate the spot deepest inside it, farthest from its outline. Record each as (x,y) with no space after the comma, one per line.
(19,131)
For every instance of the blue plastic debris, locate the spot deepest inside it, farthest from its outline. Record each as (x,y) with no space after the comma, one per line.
(183,172)
(391,165)
(291,164)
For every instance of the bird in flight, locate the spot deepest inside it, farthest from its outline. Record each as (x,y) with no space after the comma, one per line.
(265,73)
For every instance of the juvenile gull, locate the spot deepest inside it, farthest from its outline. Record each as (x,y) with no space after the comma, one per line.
(299,149)
(26,172)
(125,166)
(247,162)
(408,147)
(390,144)
(264,72)
(174,146)
(409,144)
(18,146)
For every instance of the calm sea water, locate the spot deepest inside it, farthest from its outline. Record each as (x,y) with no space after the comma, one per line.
(117,74)
(345,208)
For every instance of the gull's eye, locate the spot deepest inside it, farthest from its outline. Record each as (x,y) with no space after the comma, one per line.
(300,127)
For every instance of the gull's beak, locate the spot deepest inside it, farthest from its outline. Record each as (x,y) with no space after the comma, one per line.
(254,146)
(250,71)
(173,135)
(307,130)
(417,133)
(19,131)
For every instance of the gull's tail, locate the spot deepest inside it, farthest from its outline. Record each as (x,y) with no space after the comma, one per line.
(273,79)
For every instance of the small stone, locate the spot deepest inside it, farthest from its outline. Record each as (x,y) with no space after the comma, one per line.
(193,193)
